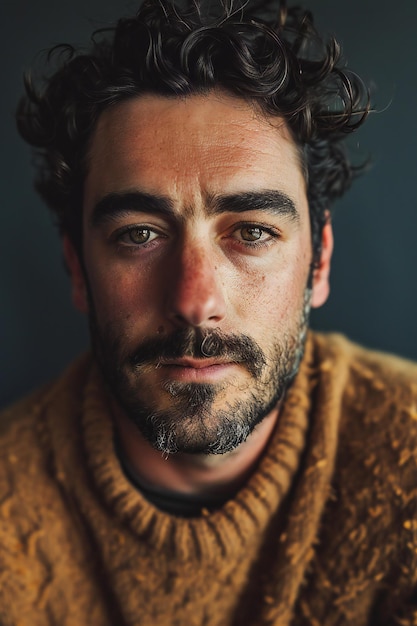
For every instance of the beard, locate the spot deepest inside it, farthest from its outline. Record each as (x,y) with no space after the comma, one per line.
(198,418)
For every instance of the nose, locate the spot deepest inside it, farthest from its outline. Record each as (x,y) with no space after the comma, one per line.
(195,295)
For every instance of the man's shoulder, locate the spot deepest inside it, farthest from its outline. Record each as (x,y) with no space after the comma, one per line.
(374,378)
(39,542)
(20,435)
(377,442)
(26,410)
(368,535)
(34,434)
(24,426)
(378,409)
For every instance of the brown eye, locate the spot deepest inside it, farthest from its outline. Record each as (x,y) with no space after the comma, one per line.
(136,236)
(139,235)
(251,233)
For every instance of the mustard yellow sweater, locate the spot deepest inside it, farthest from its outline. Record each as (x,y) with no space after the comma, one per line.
(323,534)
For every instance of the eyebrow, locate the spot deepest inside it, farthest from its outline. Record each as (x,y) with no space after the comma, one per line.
(117,205)
(268,200)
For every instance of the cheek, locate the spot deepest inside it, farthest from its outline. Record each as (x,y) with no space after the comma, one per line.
(272,297)
(123,293)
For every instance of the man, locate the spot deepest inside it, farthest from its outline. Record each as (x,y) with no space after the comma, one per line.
(213,462)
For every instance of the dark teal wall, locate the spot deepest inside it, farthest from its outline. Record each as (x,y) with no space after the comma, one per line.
(374,294)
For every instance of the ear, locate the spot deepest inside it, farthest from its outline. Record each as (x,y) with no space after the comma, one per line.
(79,290)
(321,286)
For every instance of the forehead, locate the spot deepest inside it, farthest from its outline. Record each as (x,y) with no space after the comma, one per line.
(191,148)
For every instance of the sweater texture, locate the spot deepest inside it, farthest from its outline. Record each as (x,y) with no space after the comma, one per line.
(324,533)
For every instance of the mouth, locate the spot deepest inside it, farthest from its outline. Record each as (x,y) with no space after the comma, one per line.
(196,370)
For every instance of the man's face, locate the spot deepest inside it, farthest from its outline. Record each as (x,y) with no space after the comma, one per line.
(197,255)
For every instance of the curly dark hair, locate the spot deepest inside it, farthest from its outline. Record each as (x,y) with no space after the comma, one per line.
(279,63)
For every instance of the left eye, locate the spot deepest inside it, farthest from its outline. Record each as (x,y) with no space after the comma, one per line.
(254,235)
(251,233)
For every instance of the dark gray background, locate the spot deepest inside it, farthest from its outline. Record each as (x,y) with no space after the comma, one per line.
(373,299)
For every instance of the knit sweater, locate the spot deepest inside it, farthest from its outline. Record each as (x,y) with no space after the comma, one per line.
(324,533)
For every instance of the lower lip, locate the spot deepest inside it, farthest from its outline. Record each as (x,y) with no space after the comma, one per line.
(212,373)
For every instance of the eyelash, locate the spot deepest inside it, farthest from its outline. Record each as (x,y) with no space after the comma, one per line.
(274,234)
(118,235)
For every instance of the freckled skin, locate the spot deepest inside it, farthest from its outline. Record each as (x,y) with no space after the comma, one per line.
(198,273)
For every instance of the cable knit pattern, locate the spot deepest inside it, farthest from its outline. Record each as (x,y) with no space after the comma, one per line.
(323,534)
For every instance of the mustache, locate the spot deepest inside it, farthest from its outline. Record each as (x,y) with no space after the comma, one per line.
(197,343)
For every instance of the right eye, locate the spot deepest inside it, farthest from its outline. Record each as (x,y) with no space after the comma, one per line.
(140,235)
(137,236)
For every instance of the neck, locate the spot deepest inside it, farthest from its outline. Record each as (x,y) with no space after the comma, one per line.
(195,474)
